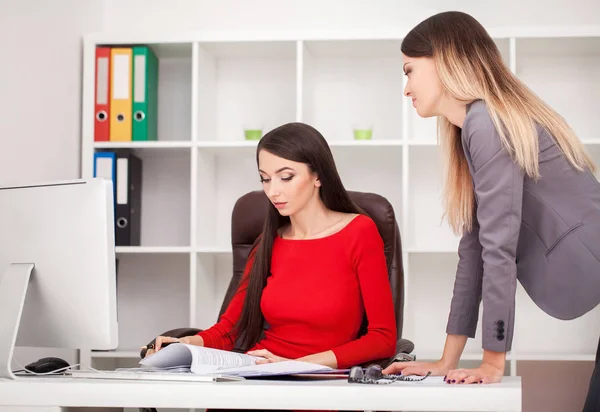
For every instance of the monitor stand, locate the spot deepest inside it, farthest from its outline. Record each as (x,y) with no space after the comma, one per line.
(13,288)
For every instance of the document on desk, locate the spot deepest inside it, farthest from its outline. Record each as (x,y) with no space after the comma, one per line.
(206,361)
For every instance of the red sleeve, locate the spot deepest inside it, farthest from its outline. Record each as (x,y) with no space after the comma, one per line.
(367,253)
(221,335)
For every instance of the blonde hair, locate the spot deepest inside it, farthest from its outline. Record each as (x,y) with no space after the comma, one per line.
(470,67)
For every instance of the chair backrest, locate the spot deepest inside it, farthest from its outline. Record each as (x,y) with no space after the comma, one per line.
(247,221)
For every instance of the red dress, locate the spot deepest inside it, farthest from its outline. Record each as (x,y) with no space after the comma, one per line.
(316,296)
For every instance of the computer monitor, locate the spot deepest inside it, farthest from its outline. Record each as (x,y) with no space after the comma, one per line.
(57,267)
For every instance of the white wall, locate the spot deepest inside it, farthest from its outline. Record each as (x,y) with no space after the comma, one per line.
(40,78)
(335,14)
(40,93)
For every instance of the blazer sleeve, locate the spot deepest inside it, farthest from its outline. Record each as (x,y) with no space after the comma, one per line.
(498,185)
(466,298)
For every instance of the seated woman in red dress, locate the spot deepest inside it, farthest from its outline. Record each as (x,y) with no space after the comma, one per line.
(318,267)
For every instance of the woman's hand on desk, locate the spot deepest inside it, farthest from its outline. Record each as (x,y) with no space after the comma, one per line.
(269,357)
(438,368)
(486,373)
(491,370)
(161,340)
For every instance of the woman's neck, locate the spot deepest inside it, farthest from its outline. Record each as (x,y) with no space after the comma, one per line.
(310,221)
(453,110)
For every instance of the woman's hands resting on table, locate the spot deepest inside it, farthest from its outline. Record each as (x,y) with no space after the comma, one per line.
(268,356)
(485,373)
(160,340)
(491,369)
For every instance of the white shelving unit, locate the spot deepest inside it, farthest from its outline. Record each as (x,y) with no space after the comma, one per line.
(213,84)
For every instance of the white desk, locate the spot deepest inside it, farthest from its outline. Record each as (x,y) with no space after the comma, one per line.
(260,394)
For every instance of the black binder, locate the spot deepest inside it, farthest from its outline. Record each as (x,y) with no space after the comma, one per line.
(128,199)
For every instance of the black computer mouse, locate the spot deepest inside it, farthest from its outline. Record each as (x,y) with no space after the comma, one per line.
(45,365)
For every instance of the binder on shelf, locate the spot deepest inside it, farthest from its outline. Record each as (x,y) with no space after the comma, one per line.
(105,167)
(101,104)
(120,94)
(145,94)
(128,208)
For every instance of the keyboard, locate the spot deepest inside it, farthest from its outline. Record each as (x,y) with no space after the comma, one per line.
(146,375)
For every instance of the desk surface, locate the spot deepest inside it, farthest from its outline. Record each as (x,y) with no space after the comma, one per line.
(263,394)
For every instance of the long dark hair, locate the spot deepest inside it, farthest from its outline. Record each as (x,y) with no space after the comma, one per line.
(297,142)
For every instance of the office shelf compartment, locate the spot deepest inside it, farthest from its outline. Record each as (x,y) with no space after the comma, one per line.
(165,198)
(374,169)
(152,293)
(243,85)
(213,275)
(213,85)
(222,178)
(430,286)
(426,230)
(348,84)
(564,72)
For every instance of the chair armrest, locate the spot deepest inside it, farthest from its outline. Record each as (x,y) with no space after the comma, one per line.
(174,333)
(404,347)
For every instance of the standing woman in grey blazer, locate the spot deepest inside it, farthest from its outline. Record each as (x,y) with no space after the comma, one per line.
(519,186)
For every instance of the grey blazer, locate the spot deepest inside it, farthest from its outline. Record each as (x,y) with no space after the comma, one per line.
(546,234)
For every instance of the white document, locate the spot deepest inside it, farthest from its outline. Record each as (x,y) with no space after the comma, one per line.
(206,361)
(199,359)
(277,368)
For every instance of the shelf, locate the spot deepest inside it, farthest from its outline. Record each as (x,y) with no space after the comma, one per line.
(422,142)
(367,143)
(350,84)
(153,296)
(158,144)
(516,357)
(426,230)
(214,84)
(553,357)
(430,356)
(421,250)
(244,144)
(243,85)
(207,250)
(564,73)
(117,354)
(427,303)
(151,249)
(542,336)
(236,144)
(184,37)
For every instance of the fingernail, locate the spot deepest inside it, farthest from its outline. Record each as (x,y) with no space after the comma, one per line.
(445,377)
(463,381)
(480,381)
(453,380)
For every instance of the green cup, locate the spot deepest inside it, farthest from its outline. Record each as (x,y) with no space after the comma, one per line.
(253,134)
(363,134)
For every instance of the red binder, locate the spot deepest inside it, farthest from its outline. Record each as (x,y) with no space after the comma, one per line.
(102,100)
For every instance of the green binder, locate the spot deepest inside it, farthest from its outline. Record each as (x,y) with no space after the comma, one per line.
(145,94)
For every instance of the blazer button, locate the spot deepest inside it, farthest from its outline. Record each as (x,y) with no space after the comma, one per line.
(501,336)
(500,323)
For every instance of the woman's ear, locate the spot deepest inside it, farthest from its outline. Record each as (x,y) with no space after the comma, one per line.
(317,182)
